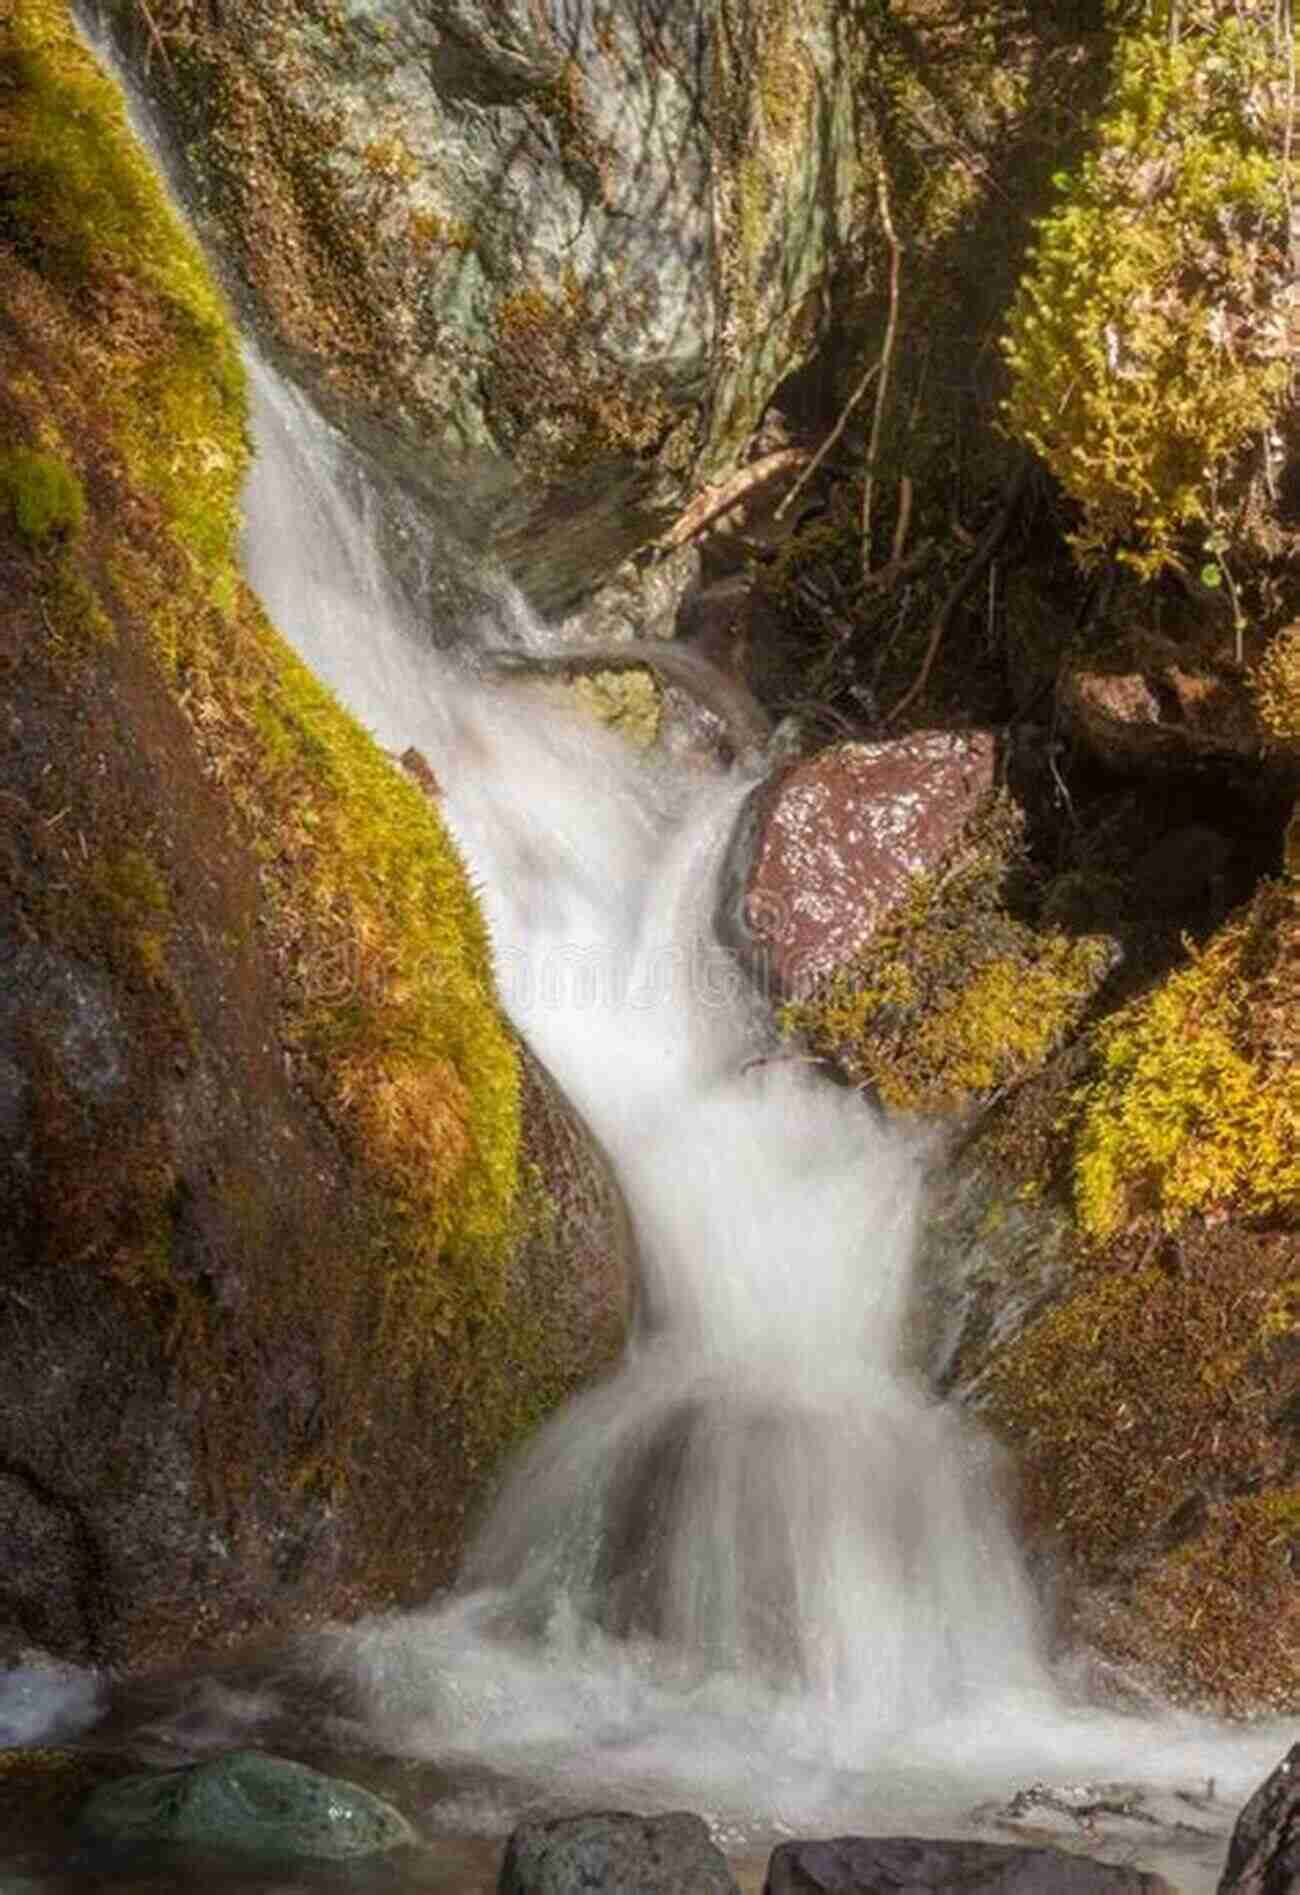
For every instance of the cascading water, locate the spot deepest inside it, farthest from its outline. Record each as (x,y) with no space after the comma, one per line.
(758,1570)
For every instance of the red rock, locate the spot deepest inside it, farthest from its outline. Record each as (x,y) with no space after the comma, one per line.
(1155,706)
(829,847)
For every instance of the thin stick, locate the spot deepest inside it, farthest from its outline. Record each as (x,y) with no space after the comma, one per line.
(903,521)
(991,538)
(154,35)
(829,442)
(886,363)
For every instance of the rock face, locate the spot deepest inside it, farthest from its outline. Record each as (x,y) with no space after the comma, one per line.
(862,1865)
(550,261)
(1264,1858)
(283,1270)
(659,1855)
(250,1804)
(826,849)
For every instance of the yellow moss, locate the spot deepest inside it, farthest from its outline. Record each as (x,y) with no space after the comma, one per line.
(1276,685)
(44,497)
(1196,1106)
(1148,343)
(627,701)
(952,998)
(135,896)
(567,405)
(385,973)
(83,198)
(1223,1611)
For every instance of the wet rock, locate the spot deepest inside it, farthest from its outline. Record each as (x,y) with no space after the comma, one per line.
(1264,1857)
(250,1803)
(862,1865)
(626,1855)
(548,263)
(826,849)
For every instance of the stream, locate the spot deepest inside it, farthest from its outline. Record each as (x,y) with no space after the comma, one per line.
(761,1573)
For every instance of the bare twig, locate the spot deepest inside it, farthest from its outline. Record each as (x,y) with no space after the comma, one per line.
(903,521)
(710,506)
(155,36)
(830,440)
(990,540)
(886,363)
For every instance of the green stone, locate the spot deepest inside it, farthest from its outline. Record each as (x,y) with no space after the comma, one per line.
(248,1802)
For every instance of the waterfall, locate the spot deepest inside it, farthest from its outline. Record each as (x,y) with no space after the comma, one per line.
(760,1569)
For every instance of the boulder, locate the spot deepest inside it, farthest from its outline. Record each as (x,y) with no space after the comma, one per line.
(283,1271)
(626,1855)
(549,262)
(1264,1857)
(826,849)
(251,1804)
(863,1865)
(1156,705)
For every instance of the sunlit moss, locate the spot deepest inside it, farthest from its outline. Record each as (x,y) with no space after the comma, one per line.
(1149,343)
(1196,1107)
(1276,685)
(383,960)
(44,497)
(953,998)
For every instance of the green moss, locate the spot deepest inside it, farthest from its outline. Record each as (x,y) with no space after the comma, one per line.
(953,998)
(1276,685)
(1148,343)
(44,497)
(384,970)
(1195,1106)
(134,896)
(82,199)
(627,701)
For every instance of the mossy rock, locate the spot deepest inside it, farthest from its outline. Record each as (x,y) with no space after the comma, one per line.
(1110,1275)
(955,998)
(269,1210)
(248,1803)
(547,318)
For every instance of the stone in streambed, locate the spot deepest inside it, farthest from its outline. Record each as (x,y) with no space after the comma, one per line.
(613,1851)
(250,1803)
(889,1865)
(1264,1857)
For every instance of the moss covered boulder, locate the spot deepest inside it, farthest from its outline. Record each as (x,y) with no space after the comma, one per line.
(1113,1273)
(279,1242)
(549,262)
(247,1803)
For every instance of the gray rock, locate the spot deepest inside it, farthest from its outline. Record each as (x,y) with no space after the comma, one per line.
(1264,1856)
(548,261)
(902,1865)
(626,1855)
(250,1803)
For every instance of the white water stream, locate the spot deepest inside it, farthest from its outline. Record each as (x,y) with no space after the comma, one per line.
(759,1572)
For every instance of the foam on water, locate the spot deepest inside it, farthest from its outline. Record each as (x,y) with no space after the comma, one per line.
(760,1569)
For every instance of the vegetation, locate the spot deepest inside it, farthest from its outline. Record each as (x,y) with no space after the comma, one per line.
(387,989)
(1149,343)
(953,998)
(44,497)
(1195,1107)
